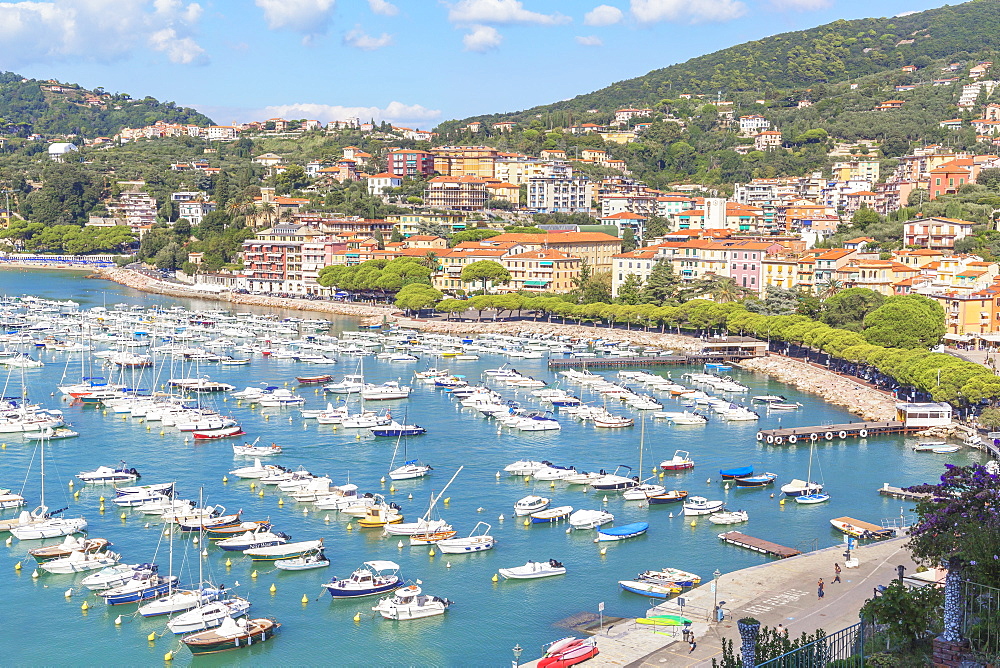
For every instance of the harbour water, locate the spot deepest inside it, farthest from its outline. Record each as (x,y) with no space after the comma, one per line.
(44,626)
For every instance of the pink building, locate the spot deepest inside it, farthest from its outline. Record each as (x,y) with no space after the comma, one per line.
(410,163)
(746,260)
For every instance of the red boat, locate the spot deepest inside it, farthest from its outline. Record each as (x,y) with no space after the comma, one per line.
(569,652)
(681,461)
(313,380)
(225,432)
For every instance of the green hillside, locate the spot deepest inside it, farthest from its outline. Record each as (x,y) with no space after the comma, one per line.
(31,106)
(835,52)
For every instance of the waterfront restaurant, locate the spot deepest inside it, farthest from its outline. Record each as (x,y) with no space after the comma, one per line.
(924,415)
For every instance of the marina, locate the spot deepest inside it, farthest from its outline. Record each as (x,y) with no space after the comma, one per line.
(828,432)
(457,435)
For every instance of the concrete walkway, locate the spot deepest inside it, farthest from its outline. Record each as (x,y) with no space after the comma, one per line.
(778,592)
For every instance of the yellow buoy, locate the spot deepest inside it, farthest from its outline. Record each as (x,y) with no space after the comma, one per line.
(357,616)
(76,494)
(693,523)
(84,606)
(102,499)
(527,522)
(267,417)
(148,428)
(552,485)
(495,578)
(447,500)
(254,575)
(123,517)
(305,599)
(281,502)
(273,588)
(604,551)
(225,479)
(392,489)
(431,553)
(527,478)
(781,503)
(253,485)
(261,494)
(151,637)
(17,566)
(169,656)
(350,527)
(229,563)
(70,483)
(3,445)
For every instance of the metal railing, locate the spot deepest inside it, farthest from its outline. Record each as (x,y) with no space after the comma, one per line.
(981,618)
(847,646)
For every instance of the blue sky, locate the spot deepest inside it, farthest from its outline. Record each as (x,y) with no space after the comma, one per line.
(412,62)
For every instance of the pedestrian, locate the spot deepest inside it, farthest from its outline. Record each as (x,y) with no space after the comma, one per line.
(692,644)
(686,633)
(782,631)
(836,572)
(819,588)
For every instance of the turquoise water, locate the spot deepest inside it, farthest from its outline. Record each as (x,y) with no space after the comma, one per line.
(488,618)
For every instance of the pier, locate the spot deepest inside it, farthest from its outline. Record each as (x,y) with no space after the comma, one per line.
(641,361)
(759,545)
(899,493)
(829,432)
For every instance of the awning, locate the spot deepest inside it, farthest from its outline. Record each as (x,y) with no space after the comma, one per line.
(536,284)
(957,337)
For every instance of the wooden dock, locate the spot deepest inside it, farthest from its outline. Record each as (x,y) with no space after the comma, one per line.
(899,493)
(829,432)
(758,545)
(640,361)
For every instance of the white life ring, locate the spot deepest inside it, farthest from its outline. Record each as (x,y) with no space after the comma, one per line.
(760,436)
(770,439)
(829,435)
(863,433)
(842,434)
(813,436)
(778,440)
(793,439)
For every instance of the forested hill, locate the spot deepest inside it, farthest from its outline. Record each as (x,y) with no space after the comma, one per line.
(47,107)
(831,53)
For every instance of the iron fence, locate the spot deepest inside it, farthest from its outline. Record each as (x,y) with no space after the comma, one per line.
(981,619)
(846,647)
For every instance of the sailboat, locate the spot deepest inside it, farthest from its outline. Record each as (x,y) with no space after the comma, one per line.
(425,524)
(643,491)
(410,468)
(40,523)
(808,492)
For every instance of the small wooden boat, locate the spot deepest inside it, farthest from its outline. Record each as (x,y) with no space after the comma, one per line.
(762,480)
(809,499)
(231,634)
(928,446)
(861,529)
(474,542)
(314,380)
(738,472)
(551,514)
(286,551)
(432,537)
(70,545)
(211,434)
(621,533)
(533,569)
(673,496)
(220,532)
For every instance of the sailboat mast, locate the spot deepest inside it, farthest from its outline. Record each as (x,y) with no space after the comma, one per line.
(42,452)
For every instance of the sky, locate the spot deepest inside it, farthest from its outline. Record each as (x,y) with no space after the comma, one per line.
(410,62)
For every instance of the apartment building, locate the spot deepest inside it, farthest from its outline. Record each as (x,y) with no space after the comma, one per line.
(596,248)
(409,163)
(543,270)
(557,190)
(461,193)
(287,258)
(935,233)
(457,161)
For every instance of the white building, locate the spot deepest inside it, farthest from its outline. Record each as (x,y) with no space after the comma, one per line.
(195,210)
(751,125)
(59,151)
(377,183)
(558,191)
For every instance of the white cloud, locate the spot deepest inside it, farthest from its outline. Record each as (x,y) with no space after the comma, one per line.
(482,38)
(308,17)
(394,112)
(603,15)
(361,40)
(470,12)
(802,5)
(691,11)
(589,40)
(383,7)
(97,30)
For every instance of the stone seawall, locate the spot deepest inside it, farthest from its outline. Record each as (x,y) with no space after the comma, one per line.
(867,402)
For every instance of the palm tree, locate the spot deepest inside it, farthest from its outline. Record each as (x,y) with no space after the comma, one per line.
(430,260)
(267,209)
(830,287)
(725,289)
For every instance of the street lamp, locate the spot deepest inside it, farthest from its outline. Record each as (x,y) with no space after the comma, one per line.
(517,654)
(715,590)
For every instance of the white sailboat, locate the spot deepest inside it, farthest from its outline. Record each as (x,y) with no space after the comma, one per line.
(40,523)
(643,490)
(410,468)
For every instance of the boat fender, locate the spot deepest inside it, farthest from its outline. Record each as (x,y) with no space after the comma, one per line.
(842,434)
(863,433)
(770,439)
(813,437)
(829,435)
(760,436)
(793,439)
(778,440)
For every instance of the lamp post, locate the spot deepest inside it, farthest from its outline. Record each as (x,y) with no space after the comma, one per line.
(715,590)
(517,654)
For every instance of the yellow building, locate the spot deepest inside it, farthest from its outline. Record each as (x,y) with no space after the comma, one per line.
(618,136)
(781,272)
(862,170)
(409,223)
(597,248)
(543,270)
(465,160)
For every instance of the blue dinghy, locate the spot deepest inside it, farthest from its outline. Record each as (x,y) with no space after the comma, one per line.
(621,533)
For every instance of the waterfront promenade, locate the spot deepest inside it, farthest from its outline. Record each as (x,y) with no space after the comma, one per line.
(776,592)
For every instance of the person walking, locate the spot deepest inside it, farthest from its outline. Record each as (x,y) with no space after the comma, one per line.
(819,588)
(836,572)
(692,644)
(782,631)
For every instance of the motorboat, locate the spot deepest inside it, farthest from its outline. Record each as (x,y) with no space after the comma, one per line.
(50,434)
(681,461)
(145,583)
(582,478)
(530,504)
(207,522)
(179,600)
(373,577)
(613,421)
(257,471)
(350,384)
(409,470)
(650,589)
(411,603)
(699,505)
(50,527)
(553,472)
(478,540)
(673,496)
(209,615)
(248,540)
(533,569)
(397,429)
(385,391)
(254,450)
(615,481)
(590,519)
(809,499)
(673,576)
(9,500)
(231,634)
(284,551)
(622,532)
(729,517)
(306,562)
(420,526)
(110,577)
(340,497)
(78,562)
(69,545)
(381,515)
(759,480)
(928,446)
(163,489)
(738,472)
(108,474)
(524,467)
(551,514)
